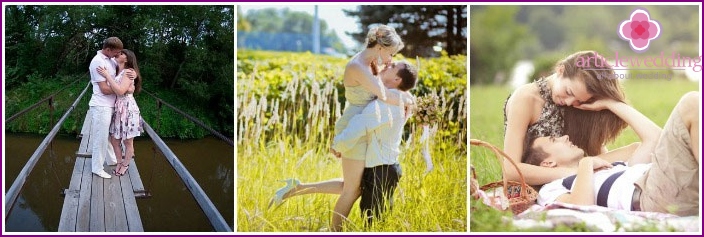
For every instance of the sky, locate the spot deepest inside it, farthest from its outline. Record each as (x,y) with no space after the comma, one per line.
(332,14)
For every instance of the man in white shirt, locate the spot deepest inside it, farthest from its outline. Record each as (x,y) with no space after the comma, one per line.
(662,173)
(382,124)
(102,104)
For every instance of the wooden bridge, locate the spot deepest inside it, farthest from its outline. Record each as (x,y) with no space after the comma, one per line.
(105,205)
(95,204)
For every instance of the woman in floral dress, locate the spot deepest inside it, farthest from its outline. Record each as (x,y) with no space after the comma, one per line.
(126,122)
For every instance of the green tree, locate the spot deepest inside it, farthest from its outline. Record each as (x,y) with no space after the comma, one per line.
(546,26)
(242,23)
(420,27)
(182,50)
(493,46)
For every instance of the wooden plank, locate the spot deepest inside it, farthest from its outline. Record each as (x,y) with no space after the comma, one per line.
(115,219)
(97,207)
(87,122)
(134,221)
(69,212)
(83,218)
(135,179)
(84,149)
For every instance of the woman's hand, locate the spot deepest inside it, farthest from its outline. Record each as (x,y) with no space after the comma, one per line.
(130,73)
(597,105)
(599,163)
(103,71)
(409,104)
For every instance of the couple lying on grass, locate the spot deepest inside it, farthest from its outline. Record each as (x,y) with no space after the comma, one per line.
(571,114)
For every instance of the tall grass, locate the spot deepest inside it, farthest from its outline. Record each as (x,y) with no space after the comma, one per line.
(285,128)
(654,98)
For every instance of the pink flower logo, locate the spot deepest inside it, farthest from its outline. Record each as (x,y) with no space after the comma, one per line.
(639,30)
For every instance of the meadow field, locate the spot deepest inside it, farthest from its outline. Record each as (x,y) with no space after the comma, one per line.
(287,104)
(654,98)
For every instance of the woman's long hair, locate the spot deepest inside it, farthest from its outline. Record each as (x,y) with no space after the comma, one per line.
(590,130)
(132,63)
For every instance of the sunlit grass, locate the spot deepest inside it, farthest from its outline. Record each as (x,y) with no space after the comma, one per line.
(288,134)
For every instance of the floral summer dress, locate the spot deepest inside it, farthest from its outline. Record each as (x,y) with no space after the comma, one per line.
(126,122)
(551,121)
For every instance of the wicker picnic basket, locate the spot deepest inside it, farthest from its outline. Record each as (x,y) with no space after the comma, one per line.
(520,195)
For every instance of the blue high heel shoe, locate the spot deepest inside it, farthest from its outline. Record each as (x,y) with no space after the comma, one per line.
(279,195)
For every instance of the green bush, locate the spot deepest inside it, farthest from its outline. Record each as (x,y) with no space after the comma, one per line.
(168,123)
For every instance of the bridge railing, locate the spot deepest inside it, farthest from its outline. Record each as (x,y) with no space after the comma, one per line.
(217,221)
(14,191)
(202,199)
(50,98)
(193,119)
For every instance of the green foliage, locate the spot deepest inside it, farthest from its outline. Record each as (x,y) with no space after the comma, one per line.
(487,219)
(165,121)
(187,50)
(494,40)
(538,33)
(544,65)
(287,105)
(448,72)
(242,23)
(420,26)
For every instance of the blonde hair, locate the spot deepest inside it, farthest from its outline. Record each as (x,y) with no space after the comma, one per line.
(590,130)
(385,36)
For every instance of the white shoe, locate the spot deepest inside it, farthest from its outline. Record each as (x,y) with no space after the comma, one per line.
(103,174)
(279,195)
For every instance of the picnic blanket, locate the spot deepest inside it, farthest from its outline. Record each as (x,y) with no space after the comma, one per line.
(597,218)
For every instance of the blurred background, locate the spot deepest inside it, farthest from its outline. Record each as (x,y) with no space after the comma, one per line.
(426,30)
(515,44)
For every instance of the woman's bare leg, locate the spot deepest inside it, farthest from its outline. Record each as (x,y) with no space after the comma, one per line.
(129,152)
(333,186)
(118,151)
(352,177)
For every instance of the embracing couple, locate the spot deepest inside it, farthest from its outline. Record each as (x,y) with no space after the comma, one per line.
(368,134)
(558,127)
(115,77)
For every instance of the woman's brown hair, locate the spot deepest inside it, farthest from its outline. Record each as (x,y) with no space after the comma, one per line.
(132,63)
(590,130)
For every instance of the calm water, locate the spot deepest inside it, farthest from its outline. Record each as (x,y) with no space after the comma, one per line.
(171,207)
